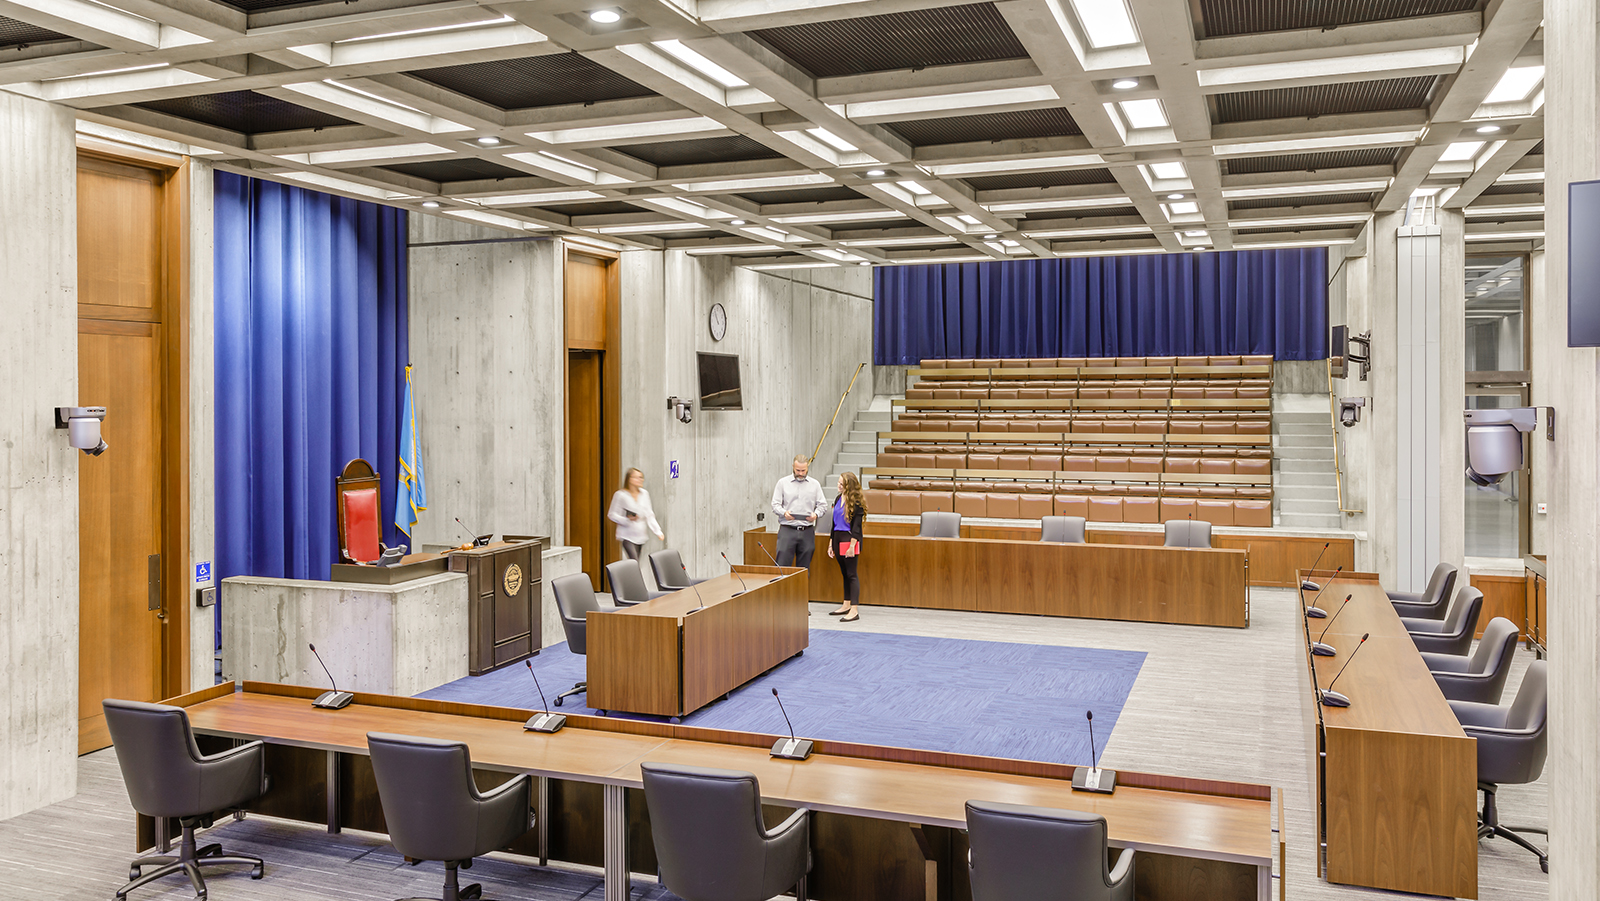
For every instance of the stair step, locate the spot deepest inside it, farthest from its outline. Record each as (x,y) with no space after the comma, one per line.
(1296,452)
(1291,465)
(854,461)
(1292,440)
(859,447)
(1317,479)
(1294,505)
(1303,428)
(1318,493)
(1297,416)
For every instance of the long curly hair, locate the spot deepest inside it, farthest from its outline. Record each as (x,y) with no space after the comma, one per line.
(854,501)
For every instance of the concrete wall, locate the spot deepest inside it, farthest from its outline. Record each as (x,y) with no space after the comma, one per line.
(1350,303)
(202,418)
(39,505)
(1541,367)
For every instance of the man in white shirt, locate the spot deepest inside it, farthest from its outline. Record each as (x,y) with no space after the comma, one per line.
(797,501)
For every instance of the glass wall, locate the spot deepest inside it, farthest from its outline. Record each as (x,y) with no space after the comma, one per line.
(1496,354)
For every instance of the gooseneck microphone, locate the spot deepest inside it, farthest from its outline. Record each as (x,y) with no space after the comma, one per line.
(476,539)
(697,597)
(1314,611)
(1328,696)
(768,553)
(1307,584)
(330,700)
(544,721)
(742,587)
(1328,650)
(1092,778)
(790,748)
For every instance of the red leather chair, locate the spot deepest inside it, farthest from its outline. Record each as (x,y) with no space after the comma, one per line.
(356,505)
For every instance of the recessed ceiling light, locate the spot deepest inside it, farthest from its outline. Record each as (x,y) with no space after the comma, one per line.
(1174,196)
(737,222)
(1168,170)
(864,263)
(488,140)
(1516,84)
(876,173)
(431,204)
(1459,151)
(990,237)
(1125,84)
(1488,129)
(1107,22)
(605,16)
(1145,113)
(1200,233)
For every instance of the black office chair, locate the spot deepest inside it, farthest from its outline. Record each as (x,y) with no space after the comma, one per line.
(167,776)
(1433,601)
(574,599)
(1064,529)
(627,584)
(711,841)
(670,572)
(434,810)
(1480,678)
(1453,634)
(1036,852)
(1511,751)
(940,524)
(1188,533)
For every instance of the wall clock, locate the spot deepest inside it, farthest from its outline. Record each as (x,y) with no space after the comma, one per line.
(719,322)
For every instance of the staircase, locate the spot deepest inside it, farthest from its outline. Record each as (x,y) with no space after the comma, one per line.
(1305,491)
(860,448)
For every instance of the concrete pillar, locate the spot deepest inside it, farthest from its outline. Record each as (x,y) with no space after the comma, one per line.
(202,415)
(39,504)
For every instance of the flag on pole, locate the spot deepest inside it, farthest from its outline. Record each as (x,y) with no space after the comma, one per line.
(411,497)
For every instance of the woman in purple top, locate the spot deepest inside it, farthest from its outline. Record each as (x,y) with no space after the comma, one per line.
(844,545)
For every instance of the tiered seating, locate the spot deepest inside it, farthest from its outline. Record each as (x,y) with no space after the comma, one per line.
(1142,439)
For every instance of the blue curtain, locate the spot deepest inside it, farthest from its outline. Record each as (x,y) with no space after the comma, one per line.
(311,349)
(1176,304)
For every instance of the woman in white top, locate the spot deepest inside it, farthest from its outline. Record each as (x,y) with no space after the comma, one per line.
(630,510)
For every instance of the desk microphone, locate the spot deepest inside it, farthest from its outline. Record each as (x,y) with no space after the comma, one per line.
(1314,611)
(769,555)
(697,597)
(477,540)
(1328,696)
(790,748)
(546,721)
(742,587)
(1092,778)
(330,700)
(1328,650)
(1307,584)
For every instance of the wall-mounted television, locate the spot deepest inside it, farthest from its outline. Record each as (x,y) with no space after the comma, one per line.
(719,382)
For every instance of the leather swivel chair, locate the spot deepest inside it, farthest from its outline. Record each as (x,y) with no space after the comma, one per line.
(434,810)
(627,583)
(1453,634)
(1036,852)
(167,776)
(940,524)
(1480,678)
(1064,529)
(1511,751)
(670,572)
(1433,601)
(711,841)
(574,599)
(1187,533)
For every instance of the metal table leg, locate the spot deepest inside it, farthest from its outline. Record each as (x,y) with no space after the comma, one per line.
(334,819)
(616,830)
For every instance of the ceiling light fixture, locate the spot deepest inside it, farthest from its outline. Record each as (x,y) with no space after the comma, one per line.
(605,16)
(751,184)
(488,140)
(1026,164)
(1144,113)
(990,237)
(1107,22)
(913,187)
(697,61)
(1516,84)
(876,173)
(737,222)
(645,228)
(832,139)
(1174,196)
(1183,208)
(1460,150)
(1488,129)
(1168,171)
(1330,142)
(1195,233)
(430,204)
(1125,84)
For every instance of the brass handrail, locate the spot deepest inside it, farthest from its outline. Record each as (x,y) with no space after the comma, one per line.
(1333,426)
(837,408)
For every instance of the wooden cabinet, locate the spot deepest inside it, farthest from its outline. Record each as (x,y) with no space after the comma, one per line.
(503,591)
(1534,627)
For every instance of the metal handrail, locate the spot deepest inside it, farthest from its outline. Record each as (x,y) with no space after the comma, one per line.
(1333,426)
(837,408)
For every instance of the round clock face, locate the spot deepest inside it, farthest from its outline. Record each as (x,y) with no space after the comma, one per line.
(719,322)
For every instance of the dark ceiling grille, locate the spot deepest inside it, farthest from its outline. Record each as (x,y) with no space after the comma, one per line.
(1538,149)
(244,111)
(1267,203)
(916,39)
(595,208)
(1033,123)
(1526,187)
(729,149)
(1220,18)
(801,195)
(1326,99)
(255,6)
(15,34)
(551,80)
(1312,162)
(1091,213)
(467,169)
(1042,179)
(1281,230)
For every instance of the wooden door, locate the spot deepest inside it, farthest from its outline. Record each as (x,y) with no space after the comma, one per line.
(122,290)
(585,482)
(592,301)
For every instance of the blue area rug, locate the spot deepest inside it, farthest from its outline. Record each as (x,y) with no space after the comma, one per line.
(991,698)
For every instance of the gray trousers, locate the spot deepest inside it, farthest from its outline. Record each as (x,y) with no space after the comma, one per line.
(796,545)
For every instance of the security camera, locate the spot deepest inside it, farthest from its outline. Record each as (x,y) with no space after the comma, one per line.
(682,409)
(1494,442)
(1350,410)
(83,428)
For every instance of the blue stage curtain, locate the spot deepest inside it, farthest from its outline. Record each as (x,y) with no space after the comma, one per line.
(1177,304)
(311,349)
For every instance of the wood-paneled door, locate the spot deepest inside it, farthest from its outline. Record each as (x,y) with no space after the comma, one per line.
(592,300)
(585,437)
(131,505)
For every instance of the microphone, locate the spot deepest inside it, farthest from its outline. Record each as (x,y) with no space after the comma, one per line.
(330,700)
(1307,584)
(1328,650)
(477,541)
(546,721)
(1093,778)
(1328,696)
(742,587)
(697,597)
(790,748)
(1314,611)
(768,553)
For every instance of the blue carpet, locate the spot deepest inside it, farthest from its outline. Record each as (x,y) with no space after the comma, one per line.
(995,699)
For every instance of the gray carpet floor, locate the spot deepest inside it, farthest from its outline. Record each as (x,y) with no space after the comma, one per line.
(1213,703)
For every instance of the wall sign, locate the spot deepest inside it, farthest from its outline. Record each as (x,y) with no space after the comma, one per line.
(202,573)
(672,468)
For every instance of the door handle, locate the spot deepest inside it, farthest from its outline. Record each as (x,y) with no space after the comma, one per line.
(153,582)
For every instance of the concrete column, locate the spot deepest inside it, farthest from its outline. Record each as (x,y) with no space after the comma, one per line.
(1540,364)
(1572,153)
(39,504)
(202,416)
(1350,304)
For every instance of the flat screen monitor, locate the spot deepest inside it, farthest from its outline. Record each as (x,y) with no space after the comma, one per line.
(1583,264)
(719,382)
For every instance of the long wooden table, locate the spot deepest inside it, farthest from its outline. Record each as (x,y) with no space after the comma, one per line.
(1395,775)
(1198,839)
(675,654)
(1142,583)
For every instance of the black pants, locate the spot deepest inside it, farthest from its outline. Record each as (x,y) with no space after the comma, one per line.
(629,548)
(847,568)
(796,546)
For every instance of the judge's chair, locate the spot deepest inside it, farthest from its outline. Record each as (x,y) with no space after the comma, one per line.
(356,505)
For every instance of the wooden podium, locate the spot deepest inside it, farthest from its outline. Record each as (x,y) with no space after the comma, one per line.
(503,591)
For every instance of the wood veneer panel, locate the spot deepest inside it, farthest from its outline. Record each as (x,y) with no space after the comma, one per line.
(729,643)
(1165,877)
(1505,596)
(634,663)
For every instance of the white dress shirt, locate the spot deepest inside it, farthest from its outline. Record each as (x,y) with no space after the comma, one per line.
(801,497)
(633,530)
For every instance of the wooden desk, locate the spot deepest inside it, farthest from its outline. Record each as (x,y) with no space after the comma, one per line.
(1141,583)
(675,654)
(503,592)
(1396,776)
(1197,838)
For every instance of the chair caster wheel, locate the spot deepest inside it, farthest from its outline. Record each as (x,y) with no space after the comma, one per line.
(674,720)
(1544,865)
(133,873)
(258,872)
(600,712)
